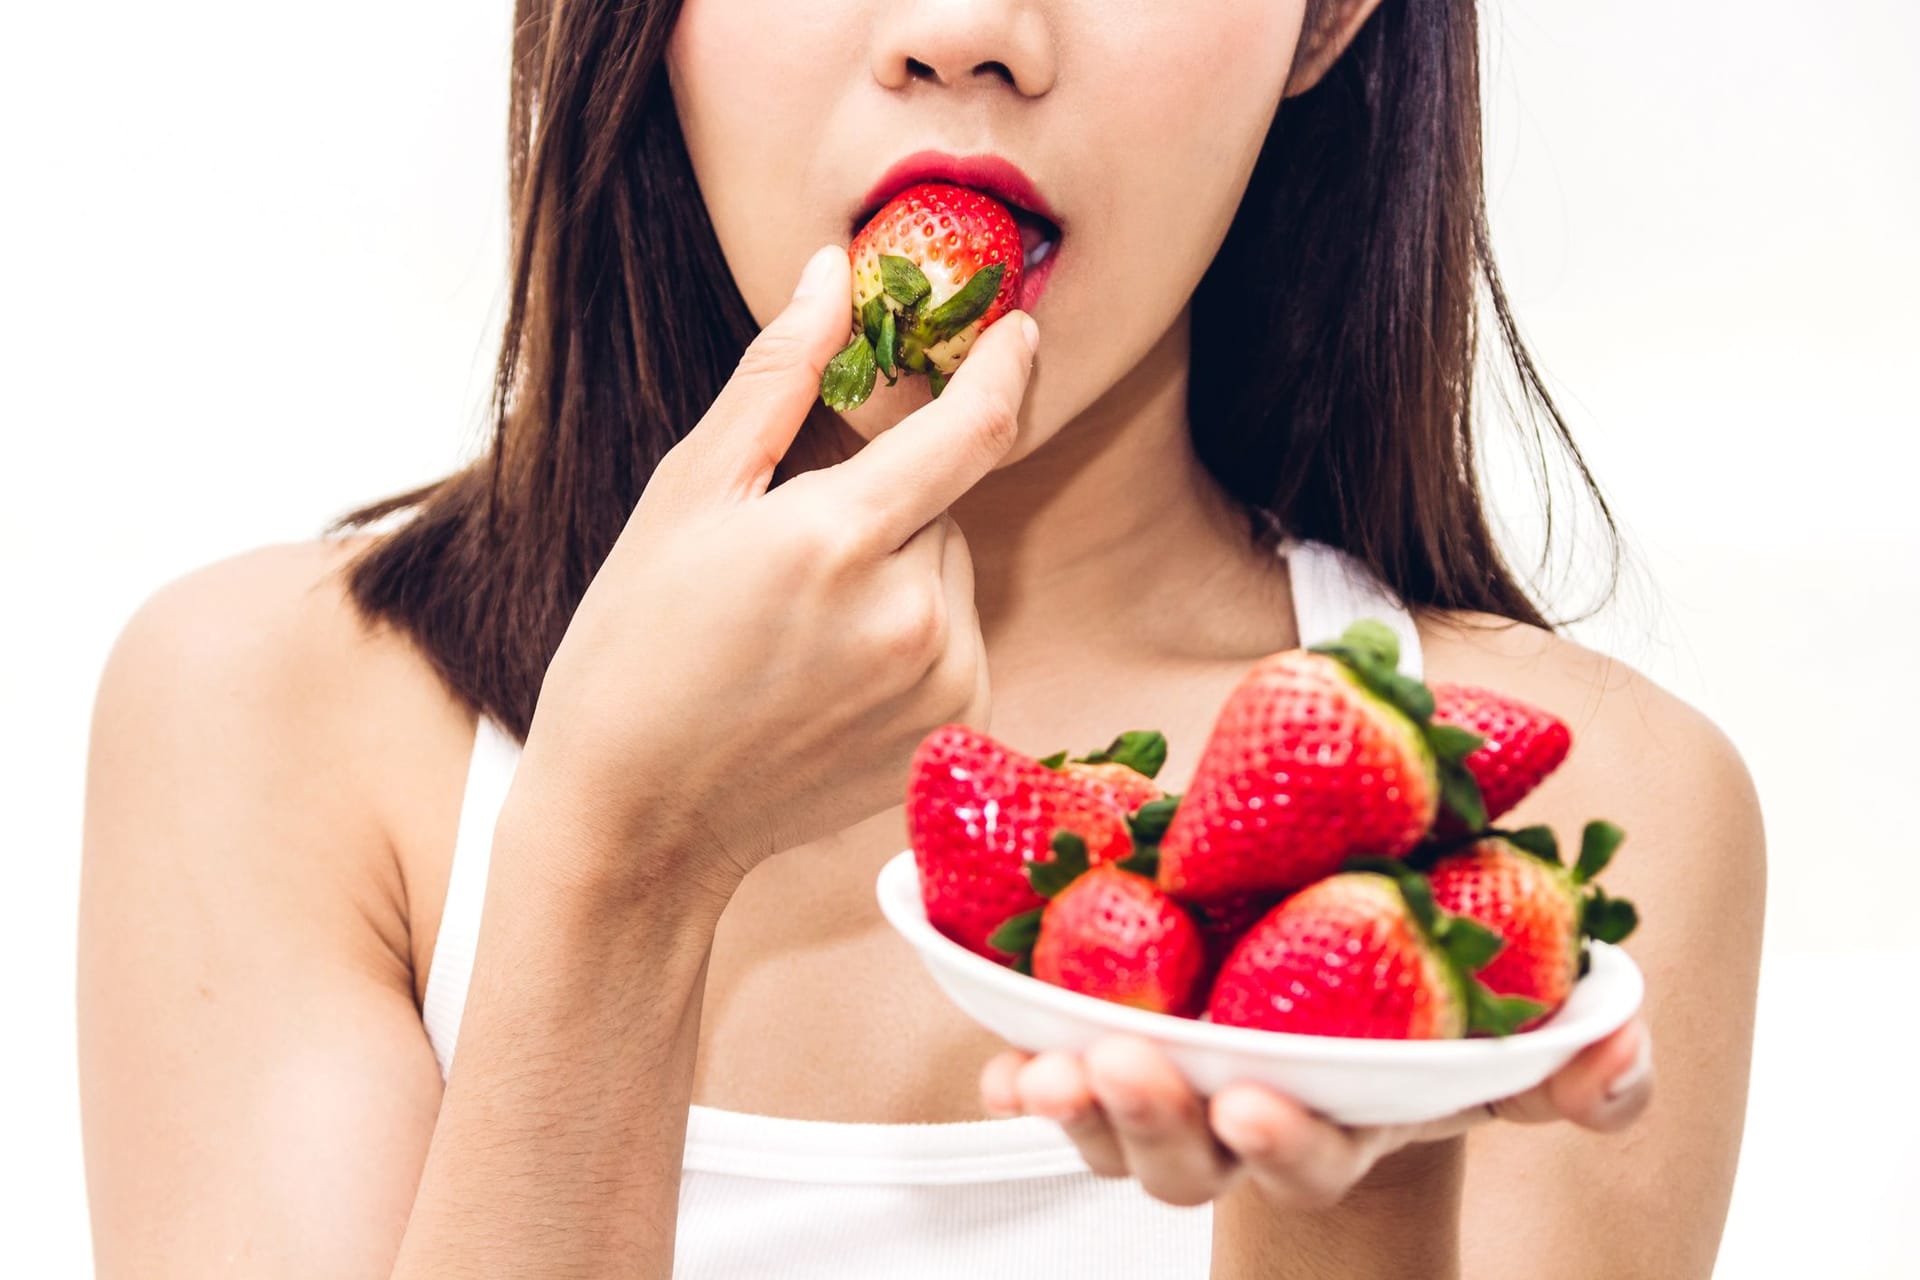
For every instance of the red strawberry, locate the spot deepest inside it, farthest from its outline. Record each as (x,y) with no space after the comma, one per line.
(1523,744)
(1513,884)
(1128,765)
(1363,954)
(1112,934)
(1318,756)
(1224,921)
(978,812)
(1134,789)
(937,264)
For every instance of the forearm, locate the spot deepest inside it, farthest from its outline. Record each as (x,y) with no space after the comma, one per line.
(558,1145)
(1403,1219)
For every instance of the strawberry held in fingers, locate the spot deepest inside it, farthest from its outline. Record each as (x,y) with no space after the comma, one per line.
(1521,745)
(978,812)
(1514,884)
(1318,756)
(1363,954)
(933,267)
(1108,933)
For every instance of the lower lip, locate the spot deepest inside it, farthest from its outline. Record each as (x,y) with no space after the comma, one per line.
(1033,281)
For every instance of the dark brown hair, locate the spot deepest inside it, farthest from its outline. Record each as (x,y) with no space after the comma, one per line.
(1334,400)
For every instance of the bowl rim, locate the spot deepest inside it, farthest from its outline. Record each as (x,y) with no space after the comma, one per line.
(1616,982)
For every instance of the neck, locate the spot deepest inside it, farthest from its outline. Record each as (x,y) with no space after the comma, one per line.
(1113,513)
(1076,542)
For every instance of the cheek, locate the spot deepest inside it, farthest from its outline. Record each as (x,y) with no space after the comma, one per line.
(753,81)
(1189,104)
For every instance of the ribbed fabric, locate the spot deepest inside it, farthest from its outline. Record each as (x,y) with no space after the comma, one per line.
(768,1196)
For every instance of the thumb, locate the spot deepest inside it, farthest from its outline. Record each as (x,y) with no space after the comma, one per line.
(752,422)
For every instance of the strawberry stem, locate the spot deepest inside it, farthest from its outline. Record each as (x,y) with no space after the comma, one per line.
(847,380)
(968,303)
(1141,750)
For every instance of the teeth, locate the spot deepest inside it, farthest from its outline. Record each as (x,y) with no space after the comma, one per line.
(1037,253)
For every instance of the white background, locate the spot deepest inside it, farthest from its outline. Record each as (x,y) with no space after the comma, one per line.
(252,262)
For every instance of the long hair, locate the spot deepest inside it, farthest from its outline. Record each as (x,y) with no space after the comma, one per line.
(1334,340)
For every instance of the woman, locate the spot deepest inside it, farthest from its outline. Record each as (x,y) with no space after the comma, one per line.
(587,764)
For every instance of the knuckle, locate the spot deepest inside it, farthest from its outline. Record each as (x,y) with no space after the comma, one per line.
(829,538)
(997,417)
(914,632)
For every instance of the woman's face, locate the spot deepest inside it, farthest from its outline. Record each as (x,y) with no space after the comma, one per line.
(1139,122)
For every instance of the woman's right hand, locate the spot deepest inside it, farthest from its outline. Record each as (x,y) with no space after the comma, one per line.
(752,669)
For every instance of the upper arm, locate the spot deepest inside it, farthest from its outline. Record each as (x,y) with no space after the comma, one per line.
(256,1088)
(1558,1200)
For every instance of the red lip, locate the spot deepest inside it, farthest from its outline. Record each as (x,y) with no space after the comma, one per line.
(995,175)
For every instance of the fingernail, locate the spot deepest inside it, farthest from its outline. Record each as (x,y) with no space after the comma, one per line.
(814,277)
(1637,1071)
(1030,331)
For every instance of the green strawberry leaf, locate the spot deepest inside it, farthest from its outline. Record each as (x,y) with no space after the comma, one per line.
(1068,862)
(937,381)
(1450,742)
(1494,1015)
(1468,943)
(968,303)
(1460,793)
(1017,936)
(1419,895)
(1598,843)
(1023,964)
(847,380)
(870,320)
(1368,642)
(903,279)
(1143,861)
(1141,750)
(1148,824)
(883,347)
(1537,840)
(1608,919)
(1055,760)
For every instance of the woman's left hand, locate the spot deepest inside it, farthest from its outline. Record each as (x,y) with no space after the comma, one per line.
(1132,1115)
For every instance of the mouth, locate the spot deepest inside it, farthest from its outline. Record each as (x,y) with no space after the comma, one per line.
(1040,228)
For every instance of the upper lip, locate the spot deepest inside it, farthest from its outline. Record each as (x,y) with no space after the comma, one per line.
(995,175)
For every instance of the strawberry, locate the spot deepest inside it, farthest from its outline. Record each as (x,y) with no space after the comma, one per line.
(1523,744)
(978,812)
(1224,921)
(1128,765)
(937,264)
(1106,932)
(1363,953)
(1318,756)
(1514,884)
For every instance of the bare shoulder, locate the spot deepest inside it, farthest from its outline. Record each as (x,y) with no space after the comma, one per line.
(248,977)
(250,696)
(1632,737)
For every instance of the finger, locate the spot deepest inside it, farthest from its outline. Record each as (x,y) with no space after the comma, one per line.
(1297,1158)
(909,474)
(1054,1086)
(1603,1087)
(1158,1119)
(753,420)
(999,1091)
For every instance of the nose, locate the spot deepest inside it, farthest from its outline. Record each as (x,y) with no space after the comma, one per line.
(964,45)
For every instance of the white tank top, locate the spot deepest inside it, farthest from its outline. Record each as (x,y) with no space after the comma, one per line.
(798,1199)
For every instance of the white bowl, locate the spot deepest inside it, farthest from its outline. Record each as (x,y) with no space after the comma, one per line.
(1351,1081)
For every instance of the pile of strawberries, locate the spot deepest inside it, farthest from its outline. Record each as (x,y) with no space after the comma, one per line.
(1331,869)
